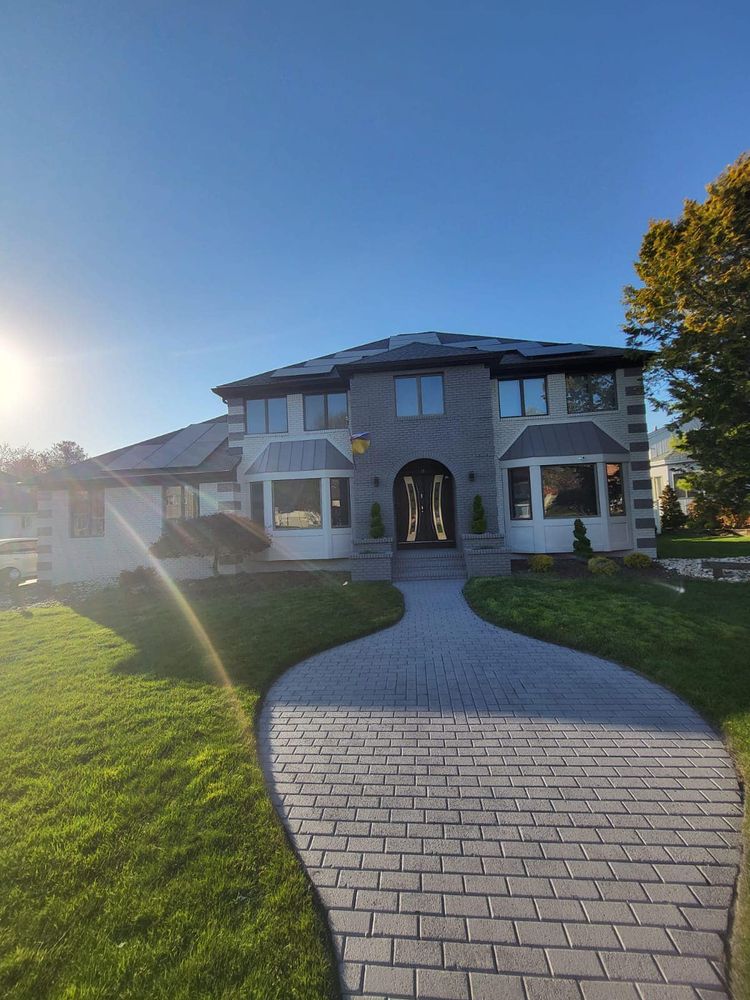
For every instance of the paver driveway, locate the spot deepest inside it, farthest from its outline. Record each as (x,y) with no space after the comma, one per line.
(489,816)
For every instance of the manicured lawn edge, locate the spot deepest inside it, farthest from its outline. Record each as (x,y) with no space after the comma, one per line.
(714,616)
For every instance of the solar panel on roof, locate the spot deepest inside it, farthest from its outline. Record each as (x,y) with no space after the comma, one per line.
(201,447)
(413,338)
(538,351)
(310,368)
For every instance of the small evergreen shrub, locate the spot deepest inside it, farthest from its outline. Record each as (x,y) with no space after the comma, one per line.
(478,517)
(377,528)
(541,563)
(638,560)
(140,578)
(672,516)
(581,542)
(601,566)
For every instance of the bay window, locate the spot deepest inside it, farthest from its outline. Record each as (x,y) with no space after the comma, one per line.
(296,503)
(569,491)
(615,490)
(340,504)
(519,491)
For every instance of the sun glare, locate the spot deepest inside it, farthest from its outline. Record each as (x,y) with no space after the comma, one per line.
(14,376)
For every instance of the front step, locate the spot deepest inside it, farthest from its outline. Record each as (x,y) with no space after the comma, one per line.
(429,564)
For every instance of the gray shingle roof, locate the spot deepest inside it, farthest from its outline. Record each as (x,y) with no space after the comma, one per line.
(575,438)
(299,456)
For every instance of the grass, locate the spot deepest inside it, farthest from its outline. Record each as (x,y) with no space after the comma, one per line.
(140,855)
(698,545)
(695,641)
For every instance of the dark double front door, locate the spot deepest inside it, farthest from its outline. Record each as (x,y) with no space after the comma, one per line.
(423,500)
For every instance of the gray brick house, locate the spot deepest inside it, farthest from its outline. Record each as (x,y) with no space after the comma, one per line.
(543,432)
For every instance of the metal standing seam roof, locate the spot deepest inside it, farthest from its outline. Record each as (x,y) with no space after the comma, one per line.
(579,437)
(299,456)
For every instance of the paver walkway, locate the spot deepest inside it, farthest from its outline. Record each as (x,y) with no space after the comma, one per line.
(490,816)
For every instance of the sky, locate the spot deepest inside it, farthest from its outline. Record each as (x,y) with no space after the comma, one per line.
(191,193)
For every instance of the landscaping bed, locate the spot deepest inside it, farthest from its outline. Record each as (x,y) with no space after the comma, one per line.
(692,636)
(140,855)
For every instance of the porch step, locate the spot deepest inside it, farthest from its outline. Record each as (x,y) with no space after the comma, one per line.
(429,564)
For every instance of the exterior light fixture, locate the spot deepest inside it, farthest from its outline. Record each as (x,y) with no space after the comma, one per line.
(376,480)
(471,477)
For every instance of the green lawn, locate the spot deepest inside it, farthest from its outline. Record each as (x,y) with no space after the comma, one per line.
(140,856)
(694,639)
(698,545)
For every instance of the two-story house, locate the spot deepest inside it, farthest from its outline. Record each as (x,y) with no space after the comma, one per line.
(543,432)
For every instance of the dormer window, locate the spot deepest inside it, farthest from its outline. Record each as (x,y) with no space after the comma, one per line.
(267,416)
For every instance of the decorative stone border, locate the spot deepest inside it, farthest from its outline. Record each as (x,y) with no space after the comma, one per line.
(720,569)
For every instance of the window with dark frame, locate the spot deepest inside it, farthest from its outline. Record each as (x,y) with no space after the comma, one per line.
(569,491)
(615,489)
(257,504)
(590,392)
(266,416)
(296,503)
(325,411)
(87,513)
(340,504)
(519,482)
(419,395)
(523,397)
(180,503)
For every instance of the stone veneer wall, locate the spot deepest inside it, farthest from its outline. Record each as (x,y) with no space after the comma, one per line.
(461,438)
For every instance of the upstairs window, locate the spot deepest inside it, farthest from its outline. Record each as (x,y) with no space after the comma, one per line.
(591,392)
(87,513)
(181,503)
(267,416)
(419,395)
(326,411)
(523,397)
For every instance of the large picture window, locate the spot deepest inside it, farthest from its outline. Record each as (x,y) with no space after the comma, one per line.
(569,490)
(180,503)
(419,395)
(615,490)
(267,416)
(519,483)
(87,513)
(523,397)
(340,505)
(326,411)
(590,392)
(296,503)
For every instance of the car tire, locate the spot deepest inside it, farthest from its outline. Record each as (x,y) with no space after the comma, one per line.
(11,575)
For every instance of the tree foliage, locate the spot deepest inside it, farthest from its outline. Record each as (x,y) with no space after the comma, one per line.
(693,307)
(24,462)
(672,515)
(478,517)
(215,535)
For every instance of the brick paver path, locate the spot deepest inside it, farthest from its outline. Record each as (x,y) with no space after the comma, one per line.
(489,816)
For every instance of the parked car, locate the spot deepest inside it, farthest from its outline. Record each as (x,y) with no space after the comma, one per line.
(17,559)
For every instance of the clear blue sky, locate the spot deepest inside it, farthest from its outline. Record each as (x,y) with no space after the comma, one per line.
(193,192)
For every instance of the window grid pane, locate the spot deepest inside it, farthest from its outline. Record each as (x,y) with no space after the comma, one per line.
(406,397)
(256,416)
(510,398)
(337,410)
(340,505)
(315,413)
(535,397)
(277,419)
(520,494)
(615,490)
(431,394)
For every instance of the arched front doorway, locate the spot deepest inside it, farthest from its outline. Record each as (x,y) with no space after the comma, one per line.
(423,503)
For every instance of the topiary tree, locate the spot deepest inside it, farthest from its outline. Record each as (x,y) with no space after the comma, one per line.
(478,517)
(672,515)
(213,535)
(581,543)
(377,528)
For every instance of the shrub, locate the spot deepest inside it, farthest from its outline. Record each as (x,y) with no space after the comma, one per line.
(638,560)
(140,578)
(581,543)
(213,535)
(601,566)
(672,516)
(377,528)
(478,517)
(541,563)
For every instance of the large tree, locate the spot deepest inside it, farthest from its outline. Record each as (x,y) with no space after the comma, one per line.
(24,462)
(693,308)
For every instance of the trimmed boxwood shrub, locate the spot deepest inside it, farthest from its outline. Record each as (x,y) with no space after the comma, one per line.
(377,528)
(581,541)
(602,566)
(541,563)
(638,560)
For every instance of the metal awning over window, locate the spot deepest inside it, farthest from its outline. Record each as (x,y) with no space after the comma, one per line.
(314,454)
(579,437)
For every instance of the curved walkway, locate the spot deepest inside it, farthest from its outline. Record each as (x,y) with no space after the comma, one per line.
(491,817)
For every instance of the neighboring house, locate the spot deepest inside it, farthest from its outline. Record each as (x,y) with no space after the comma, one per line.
(17,509)
(669,466)
(543,432)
